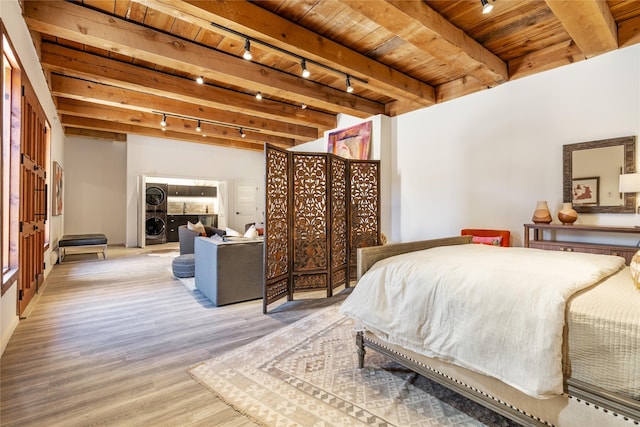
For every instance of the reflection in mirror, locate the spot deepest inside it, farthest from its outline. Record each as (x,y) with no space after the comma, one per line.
(595,174)
(591,175)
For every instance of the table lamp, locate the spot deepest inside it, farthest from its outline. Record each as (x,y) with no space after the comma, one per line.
(630,183)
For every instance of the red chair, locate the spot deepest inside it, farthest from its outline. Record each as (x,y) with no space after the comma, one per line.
(484,236)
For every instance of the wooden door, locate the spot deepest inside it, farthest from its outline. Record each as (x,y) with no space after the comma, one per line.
(245,202)
(33,198)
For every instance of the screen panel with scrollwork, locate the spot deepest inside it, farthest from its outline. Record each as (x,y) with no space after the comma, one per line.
(309,282)
(309,212)
(338,217)
(277,212)
(364,210)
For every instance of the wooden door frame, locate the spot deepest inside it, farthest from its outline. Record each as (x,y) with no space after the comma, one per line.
(33,212)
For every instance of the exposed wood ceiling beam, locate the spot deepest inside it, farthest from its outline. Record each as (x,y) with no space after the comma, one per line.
(458,88)
(71,107)
(589,23)
(69,87)
(107,126)
(250,19)
(435,36)
(97,134)
(629,32)
(82,25)
(109,71)
(545,59)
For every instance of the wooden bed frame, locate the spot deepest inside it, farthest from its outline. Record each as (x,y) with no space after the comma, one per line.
(581,405)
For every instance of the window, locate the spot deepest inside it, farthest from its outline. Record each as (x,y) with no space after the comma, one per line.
(6,79)
(10,163)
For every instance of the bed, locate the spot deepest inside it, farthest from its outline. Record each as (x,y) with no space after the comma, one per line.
(577,364)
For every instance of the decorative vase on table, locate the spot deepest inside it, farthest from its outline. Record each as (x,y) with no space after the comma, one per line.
(541,215)
(567,215)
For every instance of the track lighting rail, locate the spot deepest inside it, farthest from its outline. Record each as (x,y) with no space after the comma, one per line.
(240,129)
(302,59)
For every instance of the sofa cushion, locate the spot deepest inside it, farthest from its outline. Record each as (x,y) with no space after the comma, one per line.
(483,232)
(231,232)
(198,227)
(82,240)
(212,231)
(251,232)
(487,240)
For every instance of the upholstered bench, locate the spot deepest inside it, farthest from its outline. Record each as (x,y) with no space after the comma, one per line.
(184,266)
(82,241)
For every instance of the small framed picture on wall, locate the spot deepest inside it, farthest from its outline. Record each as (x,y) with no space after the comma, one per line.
(57,189)
(585,190)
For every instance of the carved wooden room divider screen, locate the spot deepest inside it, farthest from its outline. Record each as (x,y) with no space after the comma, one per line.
(319,209)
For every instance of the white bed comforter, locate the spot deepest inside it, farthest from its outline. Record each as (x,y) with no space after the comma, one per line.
(499,311)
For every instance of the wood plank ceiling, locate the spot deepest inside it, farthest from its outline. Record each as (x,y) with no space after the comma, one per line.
(115,67)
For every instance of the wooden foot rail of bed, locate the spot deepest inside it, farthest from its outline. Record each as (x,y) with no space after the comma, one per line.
(447,381)
(580,406)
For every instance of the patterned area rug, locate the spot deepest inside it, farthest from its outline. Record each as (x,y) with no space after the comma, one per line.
(306,374)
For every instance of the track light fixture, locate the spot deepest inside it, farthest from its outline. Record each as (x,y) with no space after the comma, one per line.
(199,123)
(305,71)
(486,7)
(348,83)
(247,50)
(259,96)
(200,80)
(303,61)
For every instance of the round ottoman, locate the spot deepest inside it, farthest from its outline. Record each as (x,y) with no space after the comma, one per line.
(184,265)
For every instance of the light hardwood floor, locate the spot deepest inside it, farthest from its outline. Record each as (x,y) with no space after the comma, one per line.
(110,342)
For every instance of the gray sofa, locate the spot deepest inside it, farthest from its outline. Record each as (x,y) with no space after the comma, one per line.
(187,237)
(229,272)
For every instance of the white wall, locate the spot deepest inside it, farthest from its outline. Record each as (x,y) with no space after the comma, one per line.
(11,16)
(483,161)
(95,187)
(382,143)
(175,159)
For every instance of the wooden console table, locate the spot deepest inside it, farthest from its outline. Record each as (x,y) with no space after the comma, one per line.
(538,241)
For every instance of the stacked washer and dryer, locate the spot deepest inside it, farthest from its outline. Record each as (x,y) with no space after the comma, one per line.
(156,213)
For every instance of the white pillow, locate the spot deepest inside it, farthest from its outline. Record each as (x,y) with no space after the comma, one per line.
(198,227)
(217,237)
(231,232)
(251,232)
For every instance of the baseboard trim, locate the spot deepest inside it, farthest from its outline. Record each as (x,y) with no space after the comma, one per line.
(6,335)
